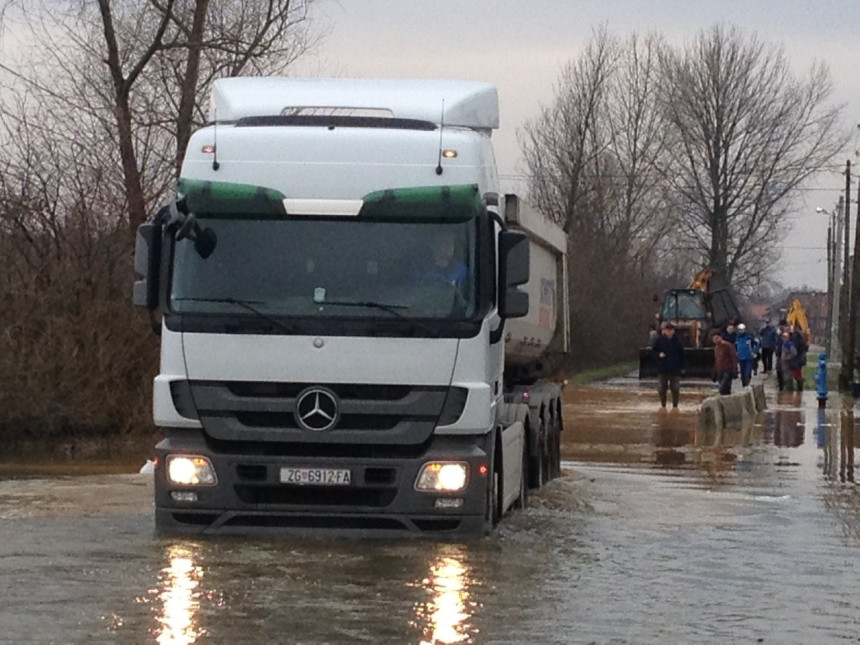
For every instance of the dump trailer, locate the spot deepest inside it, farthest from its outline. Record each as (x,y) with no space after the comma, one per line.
(707,303)
(357,327)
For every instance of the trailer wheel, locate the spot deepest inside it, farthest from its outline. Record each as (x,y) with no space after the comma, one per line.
(523,498)
(555,450)
(556,441)
(546,458)
(536,468)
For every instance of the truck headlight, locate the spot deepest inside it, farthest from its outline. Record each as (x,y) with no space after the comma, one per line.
(443,476)
(190,470)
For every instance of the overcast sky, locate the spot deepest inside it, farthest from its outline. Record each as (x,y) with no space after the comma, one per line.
(522,46)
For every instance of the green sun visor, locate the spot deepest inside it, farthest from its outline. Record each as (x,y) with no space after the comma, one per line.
(226,200)
(423,203)
(220,199)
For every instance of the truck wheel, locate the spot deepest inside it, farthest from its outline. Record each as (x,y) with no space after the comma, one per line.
(494,491)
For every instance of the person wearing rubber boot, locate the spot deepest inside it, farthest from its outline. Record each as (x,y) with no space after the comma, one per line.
(669,353)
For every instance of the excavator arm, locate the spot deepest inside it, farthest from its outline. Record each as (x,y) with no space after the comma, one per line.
(796,317)
(702,280)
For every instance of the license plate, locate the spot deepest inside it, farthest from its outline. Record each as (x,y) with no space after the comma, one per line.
(316,476)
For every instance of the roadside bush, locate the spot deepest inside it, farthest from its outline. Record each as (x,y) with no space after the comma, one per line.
(76,358)
(611,308)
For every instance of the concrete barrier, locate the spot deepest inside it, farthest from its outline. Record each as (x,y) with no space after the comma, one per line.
(759,397)
(711,414)
(730,410)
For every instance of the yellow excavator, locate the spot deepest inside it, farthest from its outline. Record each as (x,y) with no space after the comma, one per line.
(706,303)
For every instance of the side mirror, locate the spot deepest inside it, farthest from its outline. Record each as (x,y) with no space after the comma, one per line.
(147,264)
(513,272)
(204,239)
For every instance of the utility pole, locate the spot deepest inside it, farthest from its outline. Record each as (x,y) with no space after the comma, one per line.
(835,331)
(846,374)
(852,309)
(831,235)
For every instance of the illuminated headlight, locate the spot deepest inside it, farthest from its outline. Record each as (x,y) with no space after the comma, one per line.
(441,476)
(190,470)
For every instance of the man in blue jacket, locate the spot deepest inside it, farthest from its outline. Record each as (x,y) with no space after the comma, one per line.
(669,353)
(746,346)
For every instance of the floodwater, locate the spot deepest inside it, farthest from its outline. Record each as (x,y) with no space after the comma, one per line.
(656,533)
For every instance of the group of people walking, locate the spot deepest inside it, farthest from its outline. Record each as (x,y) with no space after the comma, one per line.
(737,353)
(789,346)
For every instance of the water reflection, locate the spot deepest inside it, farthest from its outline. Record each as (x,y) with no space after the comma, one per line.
(178,596)
(788,428)
(670,437)
(825,439)
(846,445)
(446,615)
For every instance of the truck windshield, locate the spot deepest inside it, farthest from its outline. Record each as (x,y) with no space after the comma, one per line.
(340,268)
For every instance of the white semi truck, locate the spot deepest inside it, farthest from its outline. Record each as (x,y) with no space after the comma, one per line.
(355,324)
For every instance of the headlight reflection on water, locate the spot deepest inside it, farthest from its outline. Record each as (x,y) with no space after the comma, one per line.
(445,617)
(178,596)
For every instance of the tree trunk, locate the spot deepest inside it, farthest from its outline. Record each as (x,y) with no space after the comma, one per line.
(184,122)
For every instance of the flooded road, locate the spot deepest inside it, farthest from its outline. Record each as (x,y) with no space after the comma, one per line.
(656,533)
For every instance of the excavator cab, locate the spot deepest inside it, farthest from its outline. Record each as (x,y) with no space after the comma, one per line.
(686,309)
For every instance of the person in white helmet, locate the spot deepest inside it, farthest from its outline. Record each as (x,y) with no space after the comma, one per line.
(746,346)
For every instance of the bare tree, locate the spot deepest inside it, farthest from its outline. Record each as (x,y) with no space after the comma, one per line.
(746,134)
(594,154)
(563,142)
(592,157)
(141,70)
(642,224)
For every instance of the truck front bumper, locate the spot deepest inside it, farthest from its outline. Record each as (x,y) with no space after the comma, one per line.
(249,496)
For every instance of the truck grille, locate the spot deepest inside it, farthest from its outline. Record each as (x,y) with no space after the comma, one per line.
(367,414)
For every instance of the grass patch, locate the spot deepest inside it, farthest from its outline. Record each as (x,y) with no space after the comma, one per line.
(809,370)
(602,373)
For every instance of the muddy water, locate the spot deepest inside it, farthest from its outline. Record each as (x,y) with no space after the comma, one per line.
(656,533)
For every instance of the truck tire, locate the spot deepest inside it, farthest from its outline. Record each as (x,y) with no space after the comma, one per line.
(495,495)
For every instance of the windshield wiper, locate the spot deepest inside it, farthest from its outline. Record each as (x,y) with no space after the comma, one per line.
(245,304)
(390,308)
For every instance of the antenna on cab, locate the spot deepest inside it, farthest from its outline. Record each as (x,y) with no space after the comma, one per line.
(215,164)
(441,128)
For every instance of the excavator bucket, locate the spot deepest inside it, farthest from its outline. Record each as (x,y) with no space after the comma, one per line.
(698,363)
(647,363)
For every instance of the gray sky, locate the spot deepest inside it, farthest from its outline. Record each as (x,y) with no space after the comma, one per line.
(522,46)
